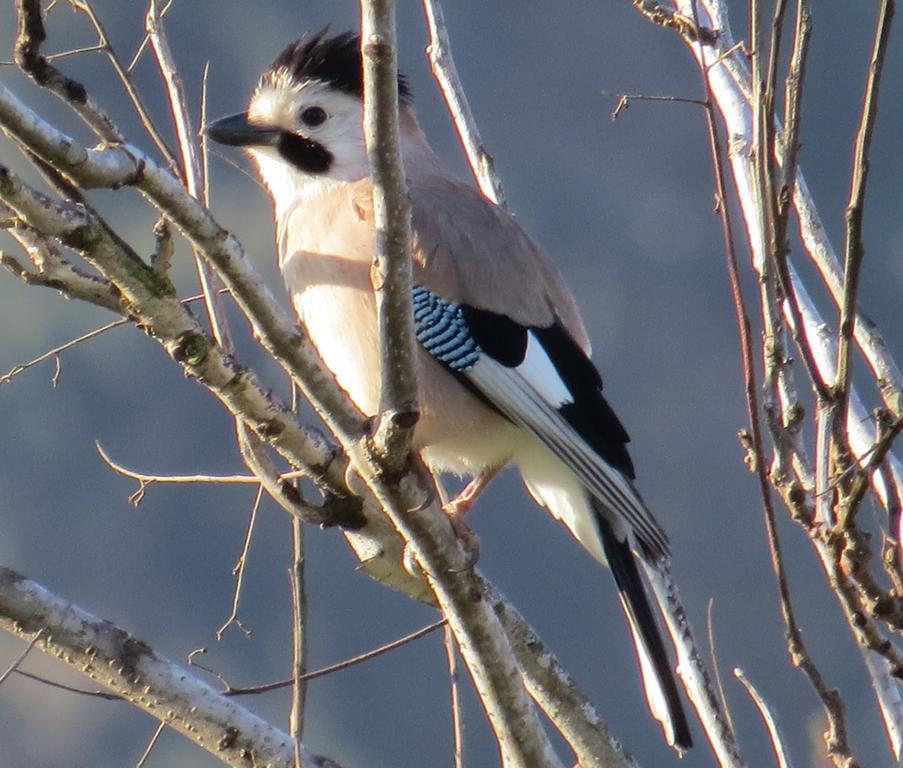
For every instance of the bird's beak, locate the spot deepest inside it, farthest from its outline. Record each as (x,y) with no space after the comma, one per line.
(238,131)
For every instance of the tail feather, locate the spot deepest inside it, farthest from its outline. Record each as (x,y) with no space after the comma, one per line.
(658,675)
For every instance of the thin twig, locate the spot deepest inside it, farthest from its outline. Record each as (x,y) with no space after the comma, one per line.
(31,35)
(69,688)
(300,617)
(125,77)
(713,657)
(57,351)
(150,746)
(338,667)
(853,249)
(239,570)
(779,192)
(767,715)
(190,163)
(147,478)
(21,657)
(624,100)
(451,655)
(299,638)
(73,52)
(142,47)
(863,469)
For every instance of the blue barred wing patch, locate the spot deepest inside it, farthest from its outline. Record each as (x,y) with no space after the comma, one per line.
(442,330)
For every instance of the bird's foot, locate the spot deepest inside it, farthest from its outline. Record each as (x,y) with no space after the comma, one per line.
(469,541)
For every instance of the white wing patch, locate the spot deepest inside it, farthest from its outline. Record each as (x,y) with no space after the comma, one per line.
(540,372)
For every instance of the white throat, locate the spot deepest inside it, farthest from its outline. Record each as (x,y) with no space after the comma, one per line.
(286,184)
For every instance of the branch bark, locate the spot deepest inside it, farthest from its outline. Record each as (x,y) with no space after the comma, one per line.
(130,668)
(391,271)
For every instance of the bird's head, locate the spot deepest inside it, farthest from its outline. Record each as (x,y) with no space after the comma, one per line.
(303,124)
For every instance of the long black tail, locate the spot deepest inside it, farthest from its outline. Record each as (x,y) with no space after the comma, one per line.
(658,675)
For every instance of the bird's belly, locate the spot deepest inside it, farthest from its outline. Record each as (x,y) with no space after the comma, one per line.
(457,432)
(341,321)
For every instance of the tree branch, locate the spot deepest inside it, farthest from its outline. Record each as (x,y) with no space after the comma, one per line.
(442,63)
(853,250)
(391,271)
(130,668)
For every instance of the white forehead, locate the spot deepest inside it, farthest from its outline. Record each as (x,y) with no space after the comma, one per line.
(277,98)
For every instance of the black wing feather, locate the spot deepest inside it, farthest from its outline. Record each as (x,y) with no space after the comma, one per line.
(589,414)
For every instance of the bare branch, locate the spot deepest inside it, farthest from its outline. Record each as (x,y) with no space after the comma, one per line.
(391,270)
(190,164)
(57,273)
(125,77)
(556,693)
(239,570)
(113,167)
(31,34)
(338,667)
(443,65)
(153,302)
(150,746)
(21,657)
(131,668)
(56,351)
(767,714)
(853,250)
(691,669)
(299,640)
(731,88)
(463,601)
(681,23)
(451,655)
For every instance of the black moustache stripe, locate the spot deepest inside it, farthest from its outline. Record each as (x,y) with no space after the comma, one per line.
(305,154)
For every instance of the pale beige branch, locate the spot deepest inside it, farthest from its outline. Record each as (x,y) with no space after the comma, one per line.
(130,668)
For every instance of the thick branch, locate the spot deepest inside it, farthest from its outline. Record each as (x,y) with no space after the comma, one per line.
(391,272)
(554,690)
(130,668)
(462,600)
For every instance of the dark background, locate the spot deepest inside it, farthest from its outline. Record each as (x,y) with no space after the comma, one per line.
(625,208)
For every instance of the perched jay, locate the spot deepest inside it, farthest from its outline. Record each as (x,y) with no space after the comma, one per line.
(504,367)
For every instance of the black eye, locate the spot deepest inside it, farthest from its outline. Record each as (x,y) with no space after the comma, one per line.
(313,116)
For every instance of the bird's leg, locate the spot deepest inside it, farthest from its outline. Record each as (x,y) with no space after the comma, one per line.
(455,510)
(459,506)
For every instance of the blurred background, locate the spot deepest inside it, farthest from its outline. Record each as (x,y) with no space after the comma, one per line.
(625,208)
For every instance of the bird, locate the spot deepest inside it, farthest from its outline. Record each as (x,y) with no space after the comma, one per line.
(504,367)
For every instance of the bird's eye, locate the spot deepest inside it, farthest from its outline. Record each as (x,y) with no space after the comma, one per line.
(313,116)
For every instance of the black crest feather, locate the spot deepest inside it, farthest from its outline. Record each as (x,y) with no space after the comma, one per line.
(332,60)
